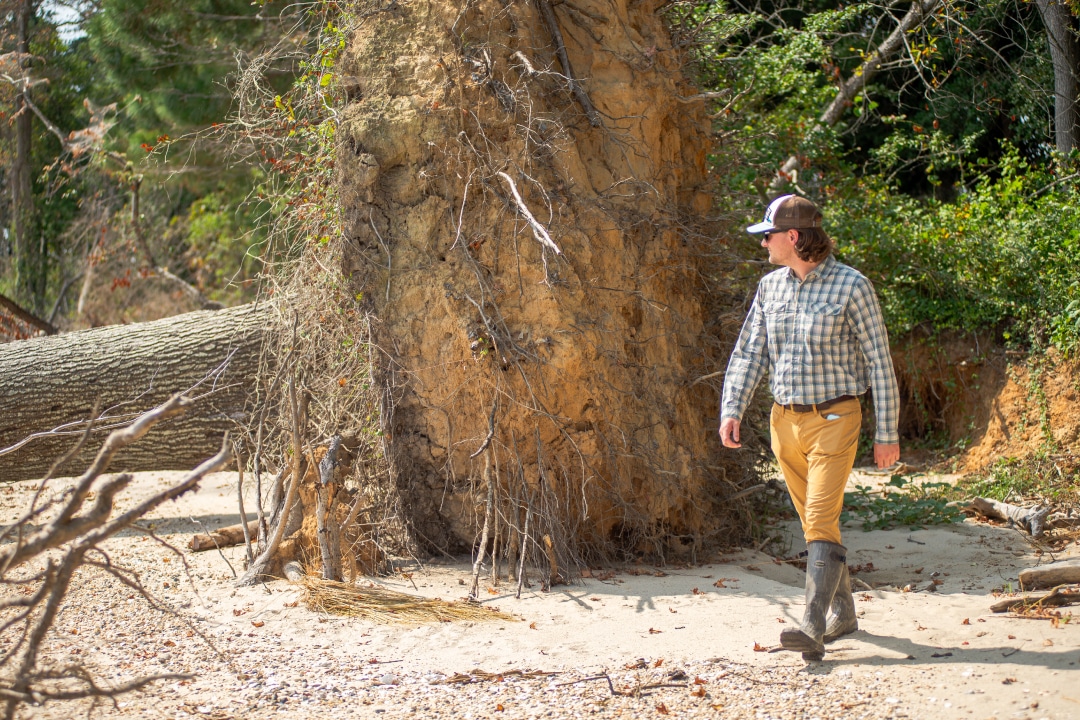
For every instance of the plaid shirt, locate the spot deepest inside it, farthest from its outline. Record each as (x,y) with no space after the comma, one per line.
(820,338)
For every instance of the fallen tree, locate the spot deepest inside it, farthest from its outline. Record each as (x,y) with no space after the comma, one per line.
(50,386)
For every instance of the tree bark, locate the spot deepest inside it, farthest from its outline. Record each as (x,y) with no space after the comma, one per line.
(22,207)
(1065,55)
(1058,573)
(51,382)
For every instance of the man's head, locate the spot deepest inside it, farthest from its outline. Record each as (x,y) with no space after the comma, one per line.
(792,226)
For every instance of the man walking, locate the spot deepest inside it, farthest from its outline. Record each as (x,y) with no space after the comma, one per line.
(817,326)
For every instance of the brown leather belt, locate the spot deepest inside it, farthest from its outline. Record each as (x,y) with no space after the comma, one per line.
(820,407)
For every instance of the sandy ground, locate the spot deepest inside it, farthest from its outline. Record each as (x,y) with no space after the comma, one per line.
(255,652)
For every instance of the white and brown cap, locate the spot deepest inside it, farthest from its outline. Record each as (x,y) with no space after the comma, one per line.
(787,212)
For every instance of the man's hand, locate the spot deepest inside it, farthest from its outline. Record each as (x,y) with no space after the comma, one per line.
(884,455)
(729,433)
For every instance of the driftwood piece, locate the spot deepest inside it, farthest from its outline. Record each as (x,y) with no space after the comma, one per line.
(225,537)
(329,532)
(1031,519)
(1062,572)
(1055,598)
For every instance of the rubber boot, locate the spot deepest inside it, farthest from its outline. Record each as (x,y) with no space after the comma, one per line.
(825,562)
(842,620)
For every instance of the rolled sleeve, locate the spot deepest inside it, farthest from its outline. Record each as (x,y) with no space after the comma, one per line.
(869,327)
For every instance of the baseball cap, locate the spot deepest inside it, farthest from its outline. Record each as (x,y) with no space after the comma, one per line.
(787,212)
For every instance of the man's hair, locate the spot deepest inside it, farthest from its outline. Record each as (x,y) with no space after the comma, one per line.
(813,244)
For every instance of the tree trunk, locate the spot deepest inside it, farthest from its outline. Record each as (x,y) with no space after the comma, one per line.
(52,381)
(22,200)
(1065,55)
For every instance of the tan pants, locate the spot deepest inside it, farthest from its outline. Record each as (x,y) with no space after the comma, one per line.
(816,451)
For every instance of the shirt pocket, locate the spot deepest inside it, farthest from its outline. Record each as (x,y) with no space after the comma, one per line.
(775,307)
(824,319)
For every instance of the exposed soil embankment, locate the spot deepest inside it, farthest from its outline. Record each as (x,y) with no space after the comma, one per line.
(986,401)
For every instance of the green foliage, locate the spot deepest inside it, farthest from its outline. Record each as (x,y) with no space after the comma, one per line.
(901,502)
(1046,477)
(1003,255)
(221,238)
(173,59)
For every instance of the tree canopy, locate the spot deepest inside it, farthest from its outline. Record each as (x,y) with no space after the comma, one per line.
(936,134)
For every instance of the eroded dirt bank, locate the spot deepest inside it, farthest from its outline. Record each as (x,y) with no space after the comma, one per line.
(920,655)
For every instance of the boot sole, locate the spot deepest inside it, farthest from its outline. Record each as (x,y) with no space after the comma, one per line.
(798,641)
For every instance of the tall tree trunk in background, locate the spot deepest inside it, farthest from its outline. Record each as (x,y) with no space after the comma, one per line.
(22,199)
(47,382)
(1065,54)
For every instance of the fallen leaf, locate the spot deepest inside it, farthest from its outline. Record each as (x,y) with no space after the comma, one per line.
(238,611)
(697,592)
(639,664)
(532,626)
(661,708)
(1012,637)
(257,623)
(698,680)
(918,571)
(719,583)
(980,620)
(889,547)
(294,603)
(965,643)
(492,591)
(169,643)
(866,597)
(595,599)
(699,691)
(499,708)
(782,621)
(672,610)
(654,631)
(760,648)
(965,621)
(717,706)
(658,663)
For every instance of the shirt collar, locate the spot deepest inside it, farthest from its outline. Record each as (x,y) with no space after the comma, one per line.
(821,271)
